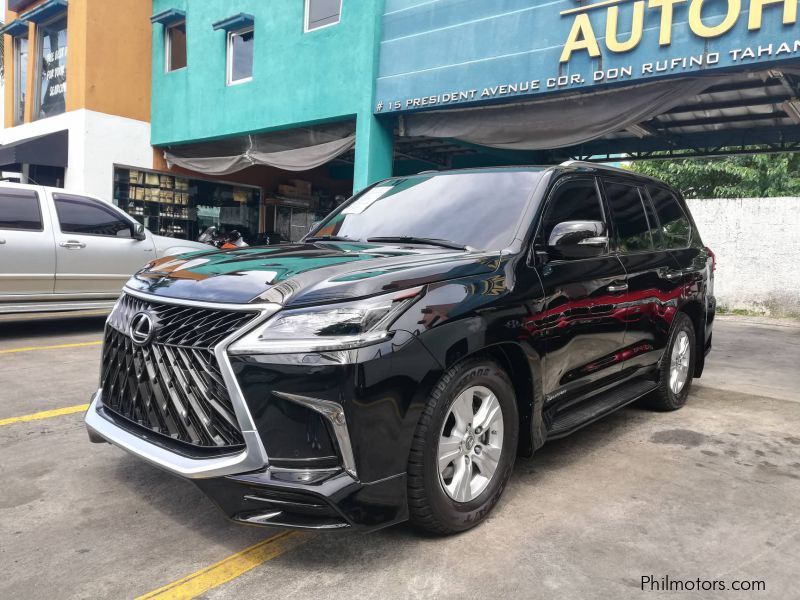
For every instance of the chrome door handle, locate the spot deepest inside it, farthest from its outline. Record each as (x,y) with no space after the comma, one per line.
(622,287)
(72,245)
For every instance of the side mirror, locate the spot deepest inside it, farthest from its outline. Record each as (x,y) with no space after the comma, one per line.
(139,233)
(577,239)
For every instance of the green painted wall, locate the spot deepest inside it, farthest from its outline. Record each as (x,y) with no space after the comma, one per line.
(298,78)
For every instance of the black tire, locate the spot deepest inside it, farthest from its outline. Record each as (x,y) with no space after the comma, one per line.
(664,398)
(430,507)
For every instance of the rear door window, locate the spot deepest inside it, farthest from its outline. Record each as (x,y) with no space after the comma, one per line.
(84,216)
(20,209)
(676,229)
(629,216)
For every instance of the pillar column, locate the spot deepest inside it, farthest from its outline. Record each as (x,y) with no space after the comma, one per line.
(374,150)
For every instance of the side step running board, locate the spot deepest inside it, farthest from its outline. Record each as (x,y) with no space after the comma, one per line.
(598,407)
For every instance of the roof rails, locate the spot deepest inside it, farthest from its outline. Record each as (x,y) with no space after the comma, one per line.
(597,166)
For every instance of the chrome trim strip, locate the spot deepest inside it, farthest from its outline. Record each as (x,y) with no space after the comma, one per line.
(283,502)
(190,468)
(254,307)
(266,519)
(254,456)
(334,413)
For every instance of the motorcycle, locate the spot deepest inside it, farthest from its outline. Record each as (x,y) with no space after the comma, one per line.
(224,241)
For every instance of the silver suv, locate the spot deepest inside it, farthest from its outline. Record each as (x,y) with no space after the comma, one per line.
(65,251)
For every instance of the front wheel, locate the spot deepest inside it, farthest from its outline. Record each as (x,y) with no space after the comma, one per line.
(676,370)
(464,448)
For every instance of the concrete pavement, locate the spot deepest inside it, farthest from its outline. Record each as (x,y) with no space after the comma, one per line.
(709,491)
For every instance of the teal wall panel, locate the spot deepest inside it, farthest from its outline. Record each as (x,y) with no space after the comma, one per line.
(298,78)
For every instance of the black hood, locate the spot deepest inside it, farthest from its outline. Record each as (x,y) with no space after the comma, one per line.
(301,274)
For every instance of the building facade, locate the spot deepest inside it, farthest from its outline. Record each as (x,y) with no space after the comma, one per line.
(263,116)
(273,94)
(77,94)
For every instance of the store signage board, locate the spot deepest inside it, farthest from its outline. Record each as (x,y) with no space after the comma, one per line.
(573,45)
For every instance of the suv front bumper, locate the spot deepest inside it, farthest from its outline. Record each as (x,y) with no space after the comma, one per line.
(324,499)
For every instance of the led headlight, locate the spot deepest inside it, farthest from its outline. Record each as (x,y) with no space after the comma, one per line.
(327,328)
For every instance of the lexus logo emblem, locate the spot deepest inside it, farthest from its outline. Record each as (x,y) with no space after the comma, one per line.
(142,328)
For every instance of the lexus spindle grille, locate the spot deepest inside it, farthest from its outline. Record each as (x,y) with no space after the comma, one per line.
(168,380)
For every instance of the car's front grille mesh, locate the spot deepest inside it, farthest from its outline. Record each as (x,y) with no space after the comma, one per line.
(172,385)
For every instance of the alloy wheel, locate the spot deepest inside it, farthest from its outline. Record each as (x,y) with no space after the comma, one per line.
(679,363)
(470,444)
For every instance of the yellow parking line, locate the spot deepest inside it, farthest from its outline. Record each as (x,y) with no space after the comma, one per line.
(12,317)
(229,568)
(46,414)
(56,347)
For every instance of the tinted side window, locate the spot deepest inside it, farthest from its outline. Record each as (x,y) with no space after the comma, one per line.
(89,217)
(675,226)
(627,209)
(19,209)
(572,200)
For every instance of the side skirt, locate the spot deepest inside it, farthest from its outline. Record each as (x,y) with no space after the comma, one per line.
(597,407)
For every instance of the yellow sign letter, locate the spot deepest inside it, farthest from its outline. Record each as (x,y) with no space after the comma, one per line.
(612,29)
(666,6)
(581,37)
(757,8)
(704,31)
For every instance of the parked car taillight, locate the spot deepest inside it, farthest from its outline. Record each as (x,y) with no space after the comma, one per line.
(713,258)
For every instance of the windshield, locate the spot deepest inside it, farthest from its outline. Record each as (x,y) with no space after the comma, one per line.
(478,210)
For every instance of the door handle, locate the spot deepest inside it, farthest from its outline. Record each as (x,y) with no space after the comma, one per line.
(72,245)
(2,242)
(672,274)
(618,287)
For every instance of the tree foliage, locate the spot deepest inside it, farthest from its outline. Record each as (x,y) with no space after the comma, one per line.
(753,176)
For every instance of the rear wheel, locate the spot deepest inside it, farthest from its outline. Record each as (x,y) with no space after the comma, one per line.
(464,448)
(676,368)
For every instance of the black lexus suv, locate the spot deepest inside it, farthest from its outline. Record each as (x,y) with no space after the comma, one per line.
(393,364)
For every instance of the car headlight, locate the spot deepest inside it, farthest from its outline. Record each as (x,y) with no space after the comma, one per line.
(328,328)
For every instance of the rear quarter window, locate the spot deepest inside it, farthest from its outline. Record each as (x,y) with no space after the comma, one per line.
(676,229)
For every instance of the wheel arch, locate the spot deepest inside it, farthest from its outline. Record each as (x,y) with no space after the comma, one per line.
(697,314)
(524,372)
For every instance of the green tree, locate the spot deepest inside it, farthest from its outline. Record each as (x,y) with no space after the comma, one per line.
(752,176)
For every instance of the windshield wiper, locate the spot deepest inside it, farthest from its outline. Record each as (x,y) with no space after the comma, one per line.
(329,238)
(410,239)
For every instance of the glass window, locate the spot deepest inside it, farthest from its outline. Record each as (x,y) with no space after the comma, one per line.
(676,229)
(320,13)
(85,216)
(480,210)
(572,200)
(627,209)
(19,209)
(175,36)
(20,77)
(240,56)
(52,67)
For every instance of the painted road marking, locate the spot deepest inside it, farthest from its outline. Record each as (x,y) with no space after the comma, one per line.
(57,347)
(229,568)
(13,317)
(46,414)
